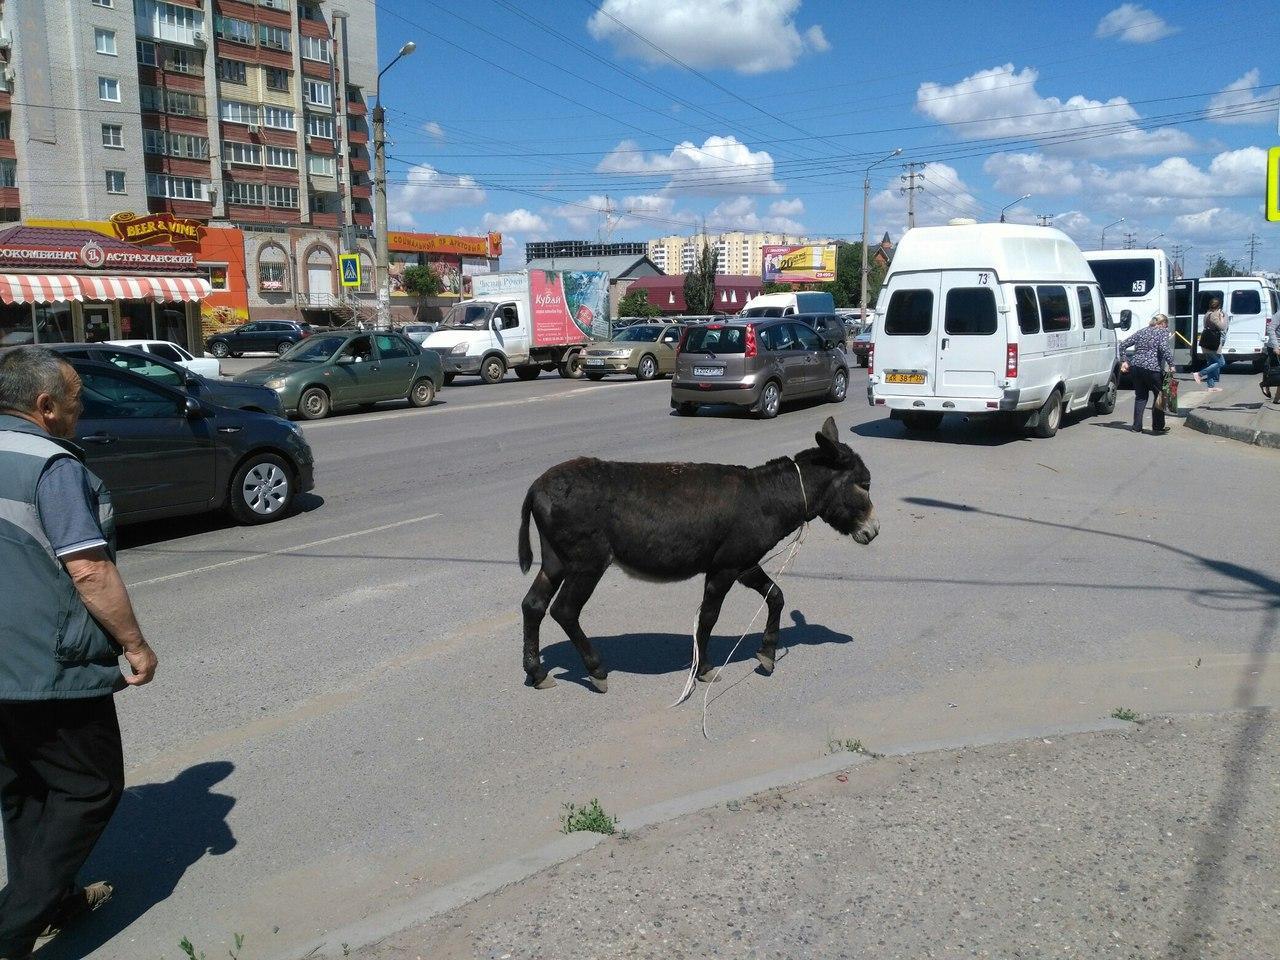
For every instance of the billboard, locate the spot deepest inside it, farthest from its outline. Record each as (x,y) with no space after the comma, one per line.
(568,306)
(799,263)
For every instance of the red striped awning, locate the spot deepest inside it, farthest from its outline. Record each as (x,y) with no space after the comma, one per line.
(115,288)
(178,289)
(38,288)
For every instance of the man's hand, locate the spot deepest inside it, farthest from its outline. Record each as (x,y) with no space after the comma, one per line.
(142,660)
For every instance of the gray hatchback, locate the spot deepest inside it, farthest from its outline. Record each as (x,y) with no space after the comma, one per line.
(756,364)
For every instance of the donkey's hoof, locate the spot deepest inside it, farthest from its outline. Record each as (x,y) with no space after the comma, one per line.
(546,683)
(600,683)
(766,662)
(710,676)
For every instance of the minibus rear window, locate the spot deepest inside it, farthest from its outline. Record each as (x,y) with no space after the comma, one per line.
(1246,301)
(1206,299)
(1028,312)
(1125,278)
(971,312)
(1055,309)
(1087,316)
(910,313)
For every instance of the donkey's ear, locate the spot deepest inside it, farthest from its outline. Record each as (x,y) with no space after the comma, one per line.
(829,437)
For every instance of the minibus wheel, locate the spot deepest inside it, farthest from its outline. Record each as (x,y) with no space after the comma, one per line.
(1050,417)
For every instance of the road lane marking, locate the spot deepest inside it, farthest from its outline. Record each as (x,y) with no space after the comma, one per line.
(283,551)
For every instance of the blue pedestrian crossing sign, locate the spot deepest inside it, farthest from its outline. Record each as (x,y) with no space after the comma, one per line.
(349,267)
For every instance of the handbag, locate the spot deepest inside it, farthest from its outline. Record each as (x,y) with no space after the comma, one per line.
(1167,398)
(1271,370)
(1210,339)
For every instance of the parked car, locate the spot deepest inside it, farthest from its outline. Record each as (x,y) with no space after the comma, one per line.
(860,345)
(758,365)
(418,332)
(646,350)
(223,393)
(828,326)
(333,371)
(261,336)
(163,453)
(205,366)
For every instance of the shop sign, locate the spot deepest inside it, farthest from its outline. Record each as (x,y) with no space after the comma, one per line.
(160,228)
(404,242)
(91,255)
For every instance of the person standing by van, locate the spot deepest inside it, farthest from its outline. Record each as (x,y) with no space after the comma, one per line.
(1146,366)
(1211,337)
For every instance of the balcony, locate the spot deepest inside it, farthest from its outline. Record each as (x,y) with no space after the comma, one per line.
(356,108)
(359,164)
(357,136)
(362,219)
(8,149)
(9,198)
(328,220)
(6,98)
(363,191)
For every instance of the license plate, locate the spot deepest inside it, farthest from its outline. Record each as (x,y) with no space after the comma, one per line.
(595,362)
(708,371)
(914,376)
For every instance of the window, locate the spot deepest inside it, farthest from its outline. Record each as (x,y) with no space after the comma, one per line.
(167,351)
(5,132)
(171,101)
(280,157)
(1206,299)
(910,313)
(104,3)
(146,53)
(249,154)
(1055,309)
(320,166)
(175,188)
(970,312)
(109,396)
(237,31)
(1088,318)
(184,61)
(245,194)
(271,276)
(104,41)
(318,126)
(53,323)
(109,89)
(317,92)
(1246,301)
(216,275)
(277,38)
(232,111)
(282,197)
(158,20)
(279,118)
(8,173)
(315,48)
(175,144)
(808,340)
(391,347)
(142,366)
(716,339)
(274,4)
(1028,311)
(277,79)
(113,136)
(309,11)
(1134,277)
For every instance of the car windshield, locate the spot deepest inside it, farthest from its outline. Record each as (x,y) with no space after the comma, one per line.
(467,316)
(313,350)
(716,339)
(763,312)
(638,335)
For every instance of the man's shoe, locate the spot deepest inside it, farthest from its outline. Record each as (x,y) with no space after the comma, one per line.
(1162,430)
(75,906)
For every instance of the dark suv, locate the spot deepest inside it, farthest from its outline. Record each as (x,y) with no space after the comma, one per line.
(269,336)
(756,364)
(829,326)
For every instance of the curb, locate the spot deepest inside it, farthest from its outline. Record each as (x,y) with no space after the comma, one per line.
(1252,433)
(379,926)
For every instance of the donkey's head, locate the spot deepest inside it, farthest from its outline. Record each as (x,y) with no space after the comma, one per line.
(844,501)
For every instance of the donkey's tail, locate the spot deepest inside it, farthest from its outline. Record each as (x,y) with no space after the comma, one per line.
(525,547)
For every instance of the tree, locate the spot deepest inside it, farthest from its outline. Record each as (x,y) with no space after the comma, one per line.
(1219,267)
(700,283)
(421,281)
(635,303)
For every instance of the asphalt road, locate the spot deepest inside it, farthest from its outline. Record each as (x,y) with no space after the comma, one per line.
(340,722)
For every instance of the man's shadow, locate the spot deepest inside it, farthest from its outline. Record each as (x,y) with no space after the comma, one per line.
(157,832)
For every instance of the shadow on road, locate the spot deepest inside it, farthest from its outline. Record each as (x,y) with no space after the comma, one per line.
(955,429)
(176,528)
(158,831)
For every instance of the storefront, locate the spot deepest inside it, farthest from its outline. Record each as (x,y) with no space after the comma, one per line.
(72,285)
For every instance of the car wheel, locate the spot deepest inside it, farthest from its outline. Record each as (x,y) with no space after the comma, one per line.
(492,370)
(770,401)
(282,346)
(1106,402)
(528,373)
(219,349)
(313,404)
(422,392)
(448,378)
(595,376)
(572,368)
(921,420)
(839,387)
(686,409)
(262,489)
(1050,417)
(648,368)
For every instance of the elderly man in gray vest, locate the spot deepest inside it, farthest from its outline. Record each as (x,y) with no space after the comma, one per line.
(67,620)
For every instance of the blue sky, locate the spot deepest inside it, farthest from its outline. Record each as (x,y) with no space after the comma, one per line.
(637,118)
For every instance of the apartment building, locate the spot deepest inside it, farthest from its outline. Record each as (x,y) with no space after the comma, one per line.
(737,252)
(547,249)
(250,114)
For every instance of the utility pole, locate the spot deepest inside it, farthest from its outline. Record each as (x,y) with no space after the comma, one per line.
(383,267)
(1045,219)
(1128,240)
(866,213)
(1253,249)
(910,178)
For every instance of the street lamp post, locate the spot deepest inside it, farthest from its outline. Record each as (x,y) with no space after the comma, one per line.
(1154,239)
(1103,243)
(383,267)
(866,204)
(1025,196)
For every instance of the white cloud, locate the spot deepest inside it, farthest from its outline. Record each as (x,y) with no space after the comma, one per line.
(1002,102)
(740,214)
(433,130)
(519,221)
(787,208)
(1035,173)
(721,165)
(1078,226)
(427,190)
(1234,173)
(945,196)
(1134,24)
(1215,223)
(638,211)
(1233,102)
(749,36)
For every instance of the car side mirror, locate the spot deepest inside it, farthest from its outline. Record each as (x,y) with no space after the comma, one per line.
(828,344)
(346,358)
(194,409)
(1126,319)
(191,380)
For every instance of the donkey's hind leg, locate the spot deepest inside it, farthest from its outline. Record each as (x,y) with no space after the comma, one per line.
(573,596)
(713,593)
(534,607)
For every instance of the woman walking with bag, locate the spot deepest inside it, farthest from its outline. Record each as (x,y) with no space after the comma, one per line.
(1151,356)
(1271,365)
(1215,328)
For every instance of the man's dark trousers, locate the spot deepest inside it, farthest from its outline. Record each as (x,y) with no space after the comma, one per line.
(61,776)
(1147,383)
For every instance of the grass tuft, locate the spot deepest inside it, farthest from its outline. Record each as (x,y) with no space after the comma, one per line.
(1124,713)
(591,818)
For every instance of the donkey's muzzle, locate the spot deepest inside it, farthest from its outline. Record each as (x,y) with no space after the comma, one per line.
(868,531)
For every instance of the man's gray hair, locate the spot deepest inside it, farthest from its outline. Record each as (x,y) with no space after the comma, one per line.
(1158,319)
(27,372)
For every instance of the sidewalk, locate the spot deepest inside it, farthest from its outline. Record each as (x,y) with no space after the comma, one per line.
(1157,840)
(1240,412)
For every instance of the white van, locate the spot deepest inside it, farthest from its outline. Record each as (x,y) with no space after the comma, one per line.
(786,304)
(1250,303)
(1135,284)
(991,318)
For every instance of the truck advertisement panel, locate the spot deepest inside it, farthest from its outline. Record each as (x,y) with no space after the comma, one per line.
(797,263)
(568,306)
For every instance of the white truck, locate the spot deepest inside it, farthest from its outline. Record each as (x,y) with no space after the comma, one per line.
(527,321)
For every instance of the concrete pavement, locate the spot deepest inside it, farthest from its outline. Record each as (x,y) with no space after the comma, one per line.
(1240,412)
(340,724)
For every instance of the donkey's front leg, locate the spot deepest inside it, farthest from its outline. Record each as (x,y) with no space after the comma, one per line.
(758,580)
(713,593)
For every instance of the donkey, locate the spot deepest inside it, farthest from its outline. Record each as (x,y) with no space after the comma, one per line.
(671,521)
